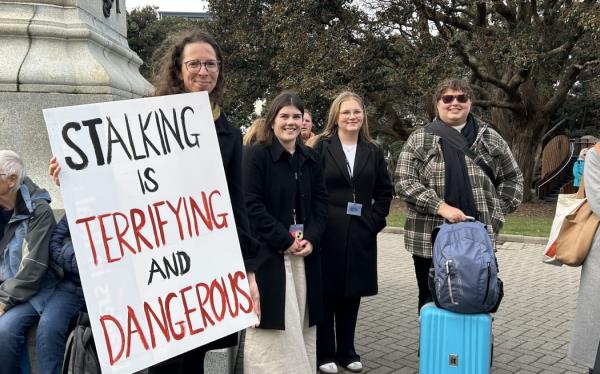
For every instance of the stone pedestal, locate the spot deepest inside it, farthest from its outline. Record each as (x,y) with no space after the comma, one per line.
(58,53)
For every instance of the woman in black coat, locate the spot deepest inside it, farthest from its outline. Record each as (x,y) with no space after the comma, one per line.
(287,207)
(360,192)
(193,62)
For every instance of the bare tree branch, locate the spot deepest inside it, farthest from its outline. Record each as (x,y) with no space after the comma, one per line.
(473,63)
(459,23)
(505,12)
(481,14)
(534,11)
(517,79)
(499,104)
(565,83)
(564,48)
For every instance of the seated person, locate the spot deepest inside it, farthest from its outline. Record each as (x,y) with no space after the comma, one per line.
(26,224)
(64,304)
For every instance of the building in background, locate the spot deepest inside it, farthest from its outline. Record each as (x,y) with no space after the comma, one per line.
(198,16)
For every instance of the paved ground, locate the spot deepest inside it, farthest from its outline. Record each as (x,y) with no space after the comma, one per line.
(531,329)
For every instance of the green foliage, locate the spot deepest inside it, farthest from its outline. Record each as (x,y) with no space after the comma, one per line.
(524,59)
(515,225)
(146,32)
(271,46)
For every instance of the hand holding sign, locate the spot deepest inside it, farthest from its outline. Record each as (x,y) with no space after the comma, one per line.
(54,170)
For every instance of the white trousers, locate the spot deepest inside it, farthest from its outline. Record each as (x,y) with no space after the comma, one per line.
(292,350)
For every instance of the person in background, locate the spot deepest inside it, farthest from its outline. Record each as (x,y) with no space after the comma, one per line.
(250,136)
(440,182)
(26,281)
(192,61)
(287,207)
(578,167)
(306,129)
(586,328)
(360,192)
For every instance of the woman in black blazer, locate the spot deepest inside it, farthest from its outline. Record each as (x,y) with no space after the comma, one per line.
(360,192)
(287,207)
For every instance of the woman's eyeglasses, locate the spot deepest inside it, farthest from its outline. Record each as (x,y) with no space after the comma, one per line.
(447,99)
(194,66)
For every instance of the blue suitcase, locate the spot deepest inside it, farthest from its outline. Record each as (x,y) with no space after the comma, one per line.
(454,343)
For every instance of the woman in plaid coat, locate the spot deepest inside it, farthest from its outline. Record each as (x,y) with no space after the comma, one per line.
(432,177)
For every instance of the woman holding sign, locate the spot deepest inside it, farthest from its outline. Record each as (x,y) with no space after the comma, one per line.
(287,207)
(360,192)
(193,62)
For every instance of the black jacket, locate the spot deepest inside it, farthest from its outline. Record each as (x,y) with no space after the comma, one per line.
(269,189)
(349,245)
(230,144)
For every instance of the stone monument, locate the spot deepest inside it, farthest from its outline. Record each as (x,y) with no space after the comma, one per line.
(58,53)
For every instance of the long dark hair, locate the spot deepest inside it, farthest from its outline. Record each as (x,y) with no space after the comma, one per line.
(264,133)
(167,78)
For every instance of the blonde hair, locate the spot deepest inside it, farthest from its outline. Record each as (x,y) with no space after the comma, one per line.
(250,136)
(334,112)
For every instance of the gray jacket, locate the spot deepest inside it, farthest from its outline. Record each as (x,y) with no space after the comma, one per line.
(24,249)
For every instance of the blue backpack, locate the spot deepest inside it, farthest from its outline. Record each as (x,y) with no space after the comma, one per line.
(464,273)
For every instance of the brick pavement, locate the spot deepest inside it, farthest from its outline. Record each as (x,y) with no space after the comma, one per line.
(531,329)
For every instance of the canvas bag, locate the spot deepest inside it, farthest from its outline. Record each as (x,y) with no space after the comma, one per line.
(80,353)
(573,229)
(464,276)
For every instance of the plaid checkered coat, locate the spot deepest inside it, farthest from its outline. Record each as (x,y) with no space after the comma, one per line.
(420,182)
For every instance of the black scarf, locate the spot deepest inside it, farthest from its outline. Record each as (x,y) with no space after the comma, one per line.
(458,191)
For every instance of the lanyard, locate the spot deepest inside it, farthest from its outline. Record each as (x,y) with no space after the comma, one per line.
(296,201)
(351,179)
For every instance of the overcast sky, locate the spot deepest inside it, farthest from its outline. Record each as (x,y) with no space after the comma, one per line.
(170,5)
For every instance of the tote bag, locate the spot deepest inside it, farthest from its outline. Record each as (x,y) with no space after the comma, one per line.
(572,230)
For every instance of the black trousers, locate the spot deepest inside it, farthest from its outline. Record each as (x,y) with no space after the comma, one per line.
(422,266)
(192,362)
(337,344)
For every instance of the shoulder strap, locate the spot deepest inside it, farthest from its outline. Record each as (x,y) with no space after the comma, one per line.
(458,142)
(68,352)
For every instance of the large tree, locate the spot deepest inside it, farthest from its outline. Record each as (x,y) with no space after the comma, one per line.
(523,57)
(146,32)
(269,46)
(528,60)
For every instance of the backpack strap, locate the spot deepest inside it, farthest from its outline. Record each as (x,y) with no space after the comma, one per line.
(458,142)
(68,353)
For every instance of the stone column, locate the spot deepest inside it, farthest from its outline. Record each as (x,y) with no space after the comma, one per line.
(58,53)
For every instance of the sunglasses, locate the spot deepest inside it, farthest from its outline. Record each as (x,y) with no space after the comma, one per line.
(447,99)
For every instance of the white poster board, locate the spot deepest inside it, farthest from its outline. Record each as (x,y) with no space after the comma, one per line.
(152,225)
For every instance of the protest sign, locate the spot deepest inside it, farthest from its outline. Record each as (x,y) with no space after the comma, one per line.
(152,225)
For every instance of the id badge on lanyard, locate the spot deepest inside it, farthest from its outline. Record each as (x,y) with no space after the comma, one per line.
(354,209)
